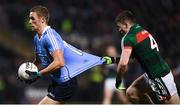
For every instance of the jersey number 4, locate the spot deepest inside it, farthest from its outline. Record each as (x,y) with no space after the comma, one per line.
(153,43)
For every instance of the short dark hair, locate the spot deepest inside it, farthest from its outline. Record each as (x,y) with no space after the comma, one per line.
(41,11)
(125,16)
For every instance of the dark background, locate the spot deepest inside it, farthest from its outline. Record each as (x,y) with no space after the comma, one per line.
(88,25)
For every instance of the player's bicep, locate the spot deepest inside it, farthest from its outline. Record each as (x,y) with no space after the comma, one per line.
(125,55)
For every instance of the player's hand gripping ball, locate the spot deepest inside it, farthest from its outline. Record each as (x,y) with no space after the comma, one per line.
(27,66)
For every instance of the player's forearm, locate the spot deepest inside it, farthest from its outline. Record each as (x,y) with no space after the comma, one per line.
(121,70)
(51,68)
(35,61)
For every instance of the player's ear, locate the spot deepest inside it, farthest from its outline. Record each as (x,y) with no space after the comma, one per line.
(43,20)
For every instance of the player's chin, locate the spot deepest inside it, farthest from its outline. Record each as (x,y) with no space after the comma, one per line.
(32,28)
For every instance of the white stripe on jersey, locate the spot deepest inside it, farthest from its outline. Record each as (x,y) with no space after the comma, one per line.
(48,34)
(122,40)
(52,39)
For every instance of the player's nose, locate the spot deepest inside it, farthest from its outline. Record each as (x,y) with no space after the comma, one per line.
(30,21)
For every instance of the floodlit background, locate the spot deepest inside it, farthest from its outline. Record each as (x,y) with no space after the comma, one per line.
(88,25)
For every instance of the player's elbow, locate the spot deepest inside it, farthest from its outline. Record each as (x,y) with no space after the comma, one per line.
(123,64)
(123,67)
(59,65)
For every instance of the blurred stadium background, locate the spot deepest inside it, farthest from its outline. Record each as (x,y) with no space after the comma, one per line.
(88,25)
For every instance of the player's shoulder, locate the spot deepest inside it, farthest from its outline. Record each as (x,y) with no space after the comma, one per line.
(50,32)
(129,35)
(135,29)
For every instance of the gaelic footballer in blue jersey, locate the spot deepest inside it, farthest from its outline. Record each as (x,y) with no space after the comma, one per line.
(59,59)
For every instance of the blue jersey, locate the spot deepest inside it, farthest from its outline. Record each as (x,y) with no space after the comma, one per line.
(76,61)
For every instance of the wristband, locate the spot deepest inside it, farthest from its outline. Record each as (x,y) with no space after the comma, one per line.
(39,74)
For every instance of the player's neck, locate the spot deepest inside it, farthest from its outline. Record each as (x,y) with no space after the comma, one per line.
(41,29)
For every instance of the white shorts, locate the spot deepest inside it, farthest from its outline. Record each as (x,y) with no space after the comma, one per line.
(109,84)
(164,85)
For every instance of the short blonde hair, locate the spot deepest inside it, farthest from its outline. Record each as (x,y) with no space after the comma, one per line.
(125,16)
(41,11)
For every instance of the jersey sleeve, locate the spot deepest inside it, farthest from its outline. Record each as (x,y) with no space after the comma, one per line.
(128,42)
(54,42)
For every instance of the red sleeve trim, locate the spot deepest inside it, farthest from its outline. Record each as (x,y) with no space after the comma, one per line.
(127,47)
(142,36)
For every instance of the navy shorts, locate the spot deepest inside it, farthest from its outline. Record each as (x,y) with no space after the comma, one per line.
(63,91)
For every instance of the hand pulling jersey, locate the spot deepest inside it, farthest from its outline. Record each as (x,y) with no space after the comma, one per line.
(145,50)
(76,61)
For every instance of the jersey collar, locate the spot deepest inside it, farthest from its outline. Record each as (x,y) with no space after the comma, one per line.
(135,26)
(46,29)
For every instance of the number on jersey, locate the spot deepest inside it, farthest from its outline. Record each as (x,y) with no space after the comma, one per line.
(153,43)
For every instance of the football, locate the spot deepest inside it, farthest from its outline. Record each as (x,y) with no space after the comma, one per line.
(26,66)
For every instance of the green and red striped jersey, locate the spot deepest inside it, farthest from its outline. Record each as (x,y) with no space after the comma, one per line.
(145,50)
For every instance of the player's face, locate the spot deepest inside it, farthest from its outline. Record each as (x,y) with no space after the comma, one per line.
(34,21)
(123,28)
